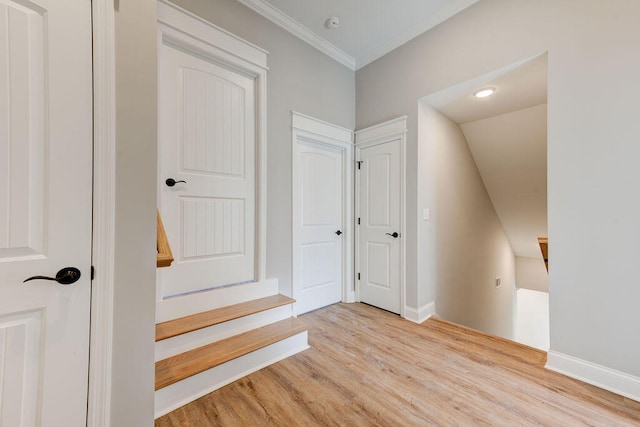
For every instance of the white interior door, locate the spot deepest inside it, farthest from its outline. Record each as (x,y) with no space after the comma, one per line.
(318,186)
(207,139)
(379,231)
(45,210)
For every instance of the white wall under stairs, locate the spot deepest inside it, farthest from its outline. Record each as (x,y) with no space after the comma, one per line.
(532,318)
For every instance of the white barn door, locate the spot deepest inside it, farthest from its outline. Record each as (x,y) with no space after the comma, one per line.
(45,211)
(208,146)
(321,213)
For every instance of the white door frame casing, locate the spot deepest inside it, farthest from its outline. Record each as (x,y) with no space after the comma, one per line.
(225,49)
(308,128)
(389,131)
(104,173)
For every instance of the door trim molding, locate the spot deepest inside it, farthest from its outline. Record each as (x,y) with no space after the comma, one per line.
(389,131)
(323,133)
(104,167)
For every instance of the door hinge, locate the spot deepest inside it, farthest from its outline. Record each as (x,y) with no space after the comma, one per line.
(93,272)
(358,276)
(359,162)
(358,221)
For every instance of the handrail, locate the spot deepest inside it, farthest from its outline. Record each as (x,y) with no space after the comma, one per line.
(164,256)
(544,248)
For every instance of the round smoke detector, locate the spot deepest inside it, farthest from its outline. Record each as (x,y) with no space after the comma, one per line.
(333,22)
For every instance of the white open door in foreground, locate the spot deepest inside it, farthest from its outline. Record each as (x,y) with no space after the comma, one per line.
(45,211)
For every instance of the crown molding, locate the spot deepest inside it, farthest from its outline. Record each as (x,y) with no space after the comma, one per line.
(279,18)
(294,27)
(450,9)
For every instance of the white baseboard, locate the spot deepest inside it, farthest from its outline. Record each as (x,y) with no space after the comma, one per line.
(179,394)
(350,297)
(597,375)
(174,308)
(421,314)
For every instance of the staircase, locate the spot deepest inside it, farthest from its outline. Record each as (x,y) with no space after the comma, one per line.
(199,353)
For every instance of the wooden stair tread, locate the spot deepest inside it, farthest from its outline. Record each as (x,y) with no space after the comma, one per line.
(197,321)
(184,365)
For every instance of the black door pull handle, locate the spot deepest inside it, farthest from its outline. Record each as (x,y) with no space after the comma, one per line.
(394,235)
(171,182)
(66,276)
(338,232)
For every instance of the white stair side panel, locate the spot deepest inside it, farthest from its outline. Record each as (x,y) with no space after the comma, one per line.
(185,342)
(179,394)
(173,308)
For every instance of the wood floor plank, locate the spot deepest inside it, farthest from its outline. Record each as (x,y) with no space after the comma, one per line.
(205,319)
(368,367)
(184,365)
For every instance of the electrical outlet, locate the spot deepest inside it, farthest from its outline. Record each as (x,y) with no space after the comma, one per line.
(498,281)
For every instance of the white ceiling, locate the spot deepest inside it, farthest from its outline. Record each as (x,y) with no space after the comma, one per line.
(368,28)
(507,136)
(518,86)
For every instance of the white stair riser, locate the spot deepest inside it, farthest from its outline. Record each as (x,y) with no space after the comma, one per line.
(201,337)
(186,305)
(179,394)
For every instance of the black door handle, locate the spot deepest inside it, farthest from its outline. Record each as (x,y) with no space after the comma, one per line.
(171,182)
(394,235)
(338,232)
(66,276)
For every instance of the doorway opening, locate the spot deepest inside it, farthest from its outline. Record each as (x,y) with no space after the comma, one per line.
(322,213)
(482,185)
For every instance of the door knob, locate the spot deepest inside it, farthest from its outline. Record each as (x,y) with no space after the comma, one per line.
(171,182)
(394,235)
(66,276)
(338,232)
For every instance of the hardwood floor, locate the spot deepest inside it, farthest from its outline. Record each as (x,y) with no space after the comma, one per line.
(368,367)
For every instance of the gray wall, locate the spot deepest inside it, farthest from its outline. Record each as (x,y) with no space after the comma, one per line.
(470,245)
(135,226)
(532,274)
(300,78)
(592,148)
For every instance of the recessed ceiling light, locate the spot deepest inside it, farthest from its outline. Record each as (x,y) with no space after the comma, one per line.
(484,92)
